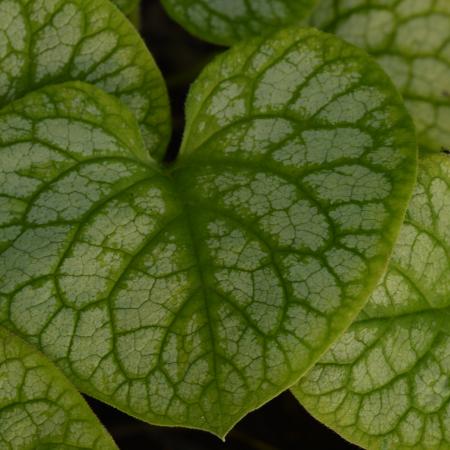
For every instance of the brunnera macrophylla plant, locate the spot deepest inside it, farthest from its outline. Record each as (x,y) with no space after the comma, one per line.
(227,22)
(39,407)
(386,383)
(411,40)
(192,293)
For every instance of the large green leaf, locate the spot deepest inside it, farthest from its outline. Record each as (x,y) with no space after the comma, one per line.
(191,295)
(411,40)
(385,384)
(44,42)
(226,22)
(39,408)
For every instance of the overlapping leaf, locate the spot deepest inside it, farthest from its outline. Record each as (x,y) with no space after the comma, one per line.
(45,42)
(192,295)
(228,21)
(385,384)
(411,40)
(39,408)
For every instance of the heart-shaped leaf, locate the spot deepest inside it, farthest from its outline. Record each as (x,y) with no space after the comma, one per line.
(385,384)
(44,42)
(192,294)
(411,41)
(226,22)
(39,408)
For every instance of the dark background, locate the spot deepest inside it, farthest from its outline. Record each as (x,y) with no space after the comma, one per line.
(281,424)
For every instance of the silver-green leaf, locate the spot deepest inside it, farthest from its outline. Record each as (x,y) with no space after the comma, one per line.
(39,408)
(192,294)
(227,22)
(385,383)
(411,41)
(46,42)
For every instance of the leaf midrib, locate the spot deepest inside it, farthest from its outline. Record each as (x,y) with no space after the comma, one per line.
(204,289)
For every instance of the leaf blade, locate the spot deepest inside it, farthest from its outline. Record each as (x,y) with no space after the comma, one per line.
(39,407)
(227,153)
(223,22)
(410,41)
(83,40)
(384,382)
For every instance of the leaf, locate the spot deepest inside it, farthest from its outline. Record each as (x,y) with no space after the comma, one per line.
(46,42)
(192,294)
(411,41)
(126,6)
(385,383)
(39,408)
(227,22)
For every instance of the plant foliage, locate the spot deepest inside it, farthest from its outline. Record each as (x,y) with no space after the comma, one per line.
(39,408)
(227,22)
(384,384)
(192,293)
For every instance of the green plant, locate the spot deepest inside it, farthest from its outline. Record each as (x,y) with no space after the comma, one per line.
(193,292)
(386,383)
(226,22)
